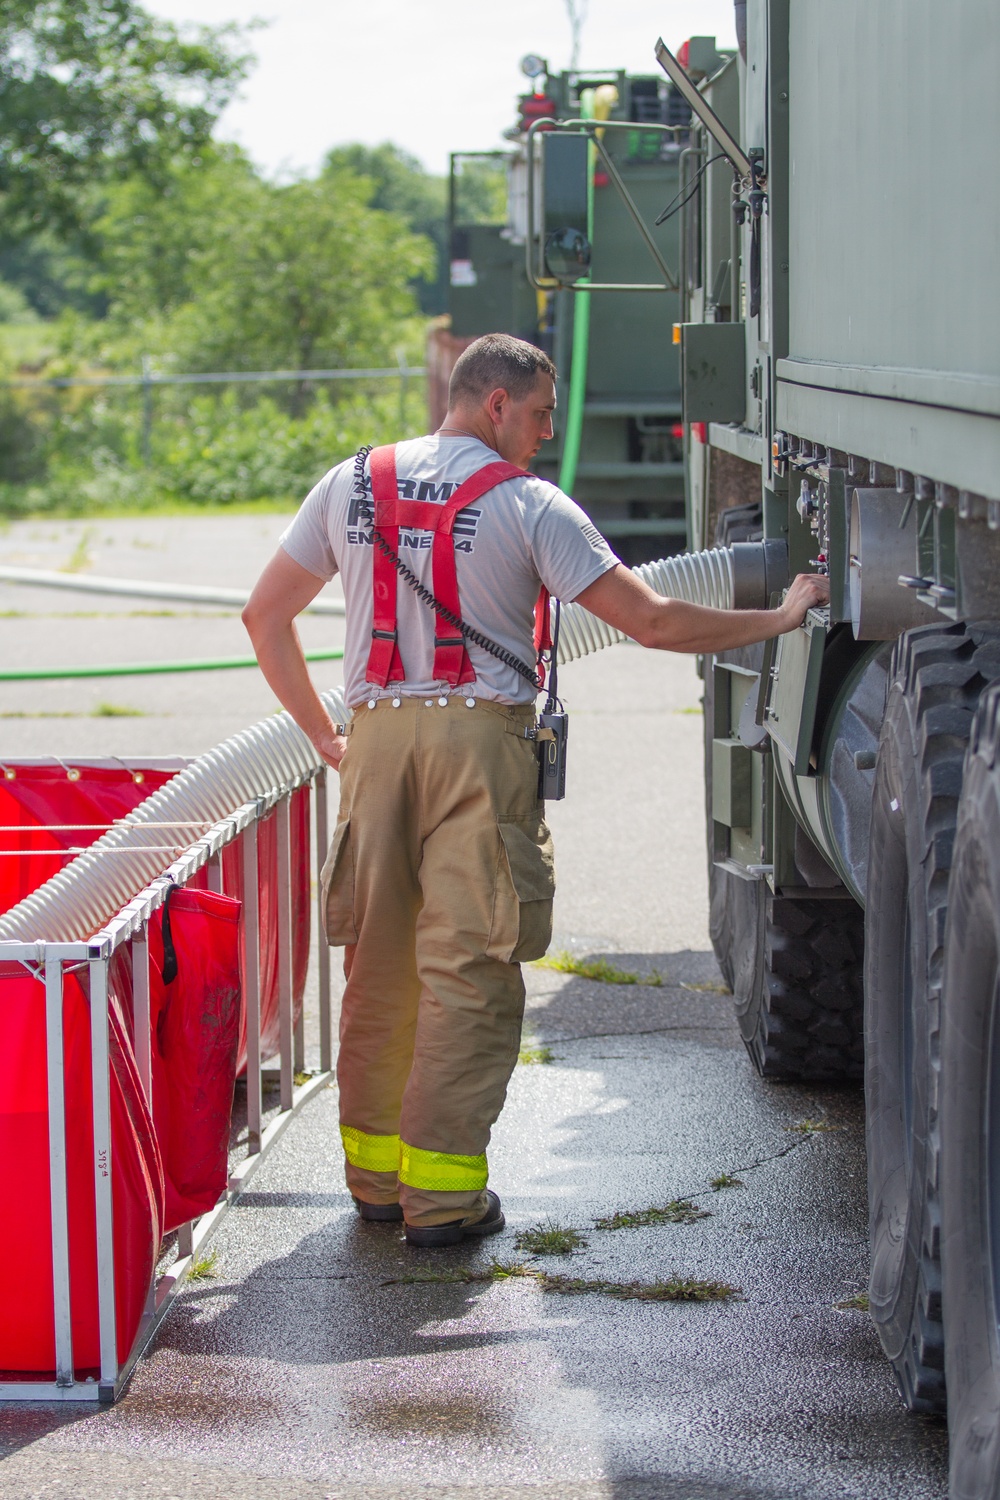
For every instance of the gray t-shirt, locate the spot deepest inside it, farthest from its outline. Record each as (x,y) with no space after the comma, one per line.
(520,534)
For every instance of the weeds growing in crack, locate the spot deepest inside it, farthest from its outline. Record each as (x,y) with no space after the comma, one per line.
(857,1303)
(204,1267)
(598,969)
(725,1180)
(497,1270)
(549,1239)
(674,1289)
(529,1055)
(678,1211)
(709,989)
(810,1127)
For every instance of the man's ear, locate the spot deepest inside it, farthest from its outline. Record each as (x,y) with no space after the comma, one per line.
(496,401)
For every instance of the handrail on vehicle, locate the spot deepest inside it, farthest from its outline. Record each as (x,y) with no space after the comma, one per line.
(594,129)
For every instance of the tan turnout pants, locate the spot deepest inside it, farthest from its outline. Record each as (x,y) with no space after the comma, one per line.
(439,881)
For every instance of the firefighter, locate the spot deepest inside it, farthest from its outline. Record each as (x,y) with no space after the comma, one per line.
(440,877)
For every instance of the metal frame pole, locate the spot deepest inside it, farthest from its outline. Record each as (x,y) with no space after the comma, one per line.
(142,1023)
(56,1078)
(322,947)
(251,941)
(214,873)
(299,1050)
(284,904)
(100,1064)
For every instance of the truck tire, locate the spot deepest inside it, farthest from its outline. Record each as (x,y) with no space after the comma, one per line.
(937,676)
(794,965)
(970,1122)
(798,992)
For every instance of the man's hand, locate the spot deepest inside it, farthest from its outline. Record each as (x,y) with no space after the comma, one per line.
(807,591)
(331,746)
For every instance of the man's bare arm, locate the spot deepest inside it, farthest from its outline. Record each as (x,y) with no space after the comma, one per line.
(282,592)
(624,601)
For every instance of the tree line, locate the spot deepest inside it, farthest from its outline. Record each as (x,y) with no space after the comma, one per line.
(129,233)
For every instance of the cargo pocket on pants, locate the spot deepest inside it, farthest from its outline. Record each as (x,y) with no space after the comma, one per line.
(337,888)
(521,928)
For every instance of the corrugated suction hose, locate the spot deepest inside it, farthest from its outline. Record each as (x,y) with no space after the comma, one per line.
(743,576)
(275,754)
(89,892)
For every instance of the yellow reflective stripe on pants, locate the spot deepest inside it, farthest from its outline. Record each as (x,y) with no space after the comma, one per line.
(375,1153)
(437,1172)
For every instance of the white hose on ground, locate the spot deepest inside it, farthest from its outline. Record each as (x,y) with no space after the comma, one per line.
(144,588)
(275,753)
(79,900)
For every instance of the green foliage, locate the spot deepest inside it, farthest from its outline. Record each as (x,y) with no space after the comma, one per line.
(598,969)
(549,1239)
(14,306)
(535,1055)
(673,1289)
(857,1303)
(212,449)
(725,1180)
(401,186)
(100,88)
(300,274)
(678,1211)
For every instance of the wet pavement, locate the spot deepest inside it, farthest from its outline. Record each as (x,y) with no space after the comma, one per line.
(311,1364)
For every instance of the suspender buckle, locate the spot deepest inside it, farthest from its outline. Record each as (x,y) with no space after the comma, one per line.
(449,640)
(383,635)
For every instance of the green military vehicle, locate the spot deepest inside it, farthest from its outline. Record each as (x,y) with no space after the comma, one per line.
(845,402)
(835,233)
(619,441)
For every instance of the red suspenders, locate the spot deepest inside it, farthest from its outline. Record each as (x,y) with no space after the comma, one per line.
(451,660)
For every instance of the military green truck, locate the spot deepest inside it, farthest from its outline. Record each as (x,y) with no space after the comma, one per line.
(840,364)
(831,220)
(618,438)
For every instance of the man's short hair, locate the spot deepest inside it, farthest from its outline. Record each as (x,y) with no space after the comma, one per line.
(498,361)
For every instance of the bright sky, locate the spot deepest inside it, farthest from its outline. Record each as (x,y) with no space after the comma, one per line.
(432,75)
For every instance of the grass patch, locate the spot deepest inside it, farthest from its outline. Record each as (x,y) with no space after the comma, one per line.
(79,558)
(674,1289)
(678,1211)
(725,1180)
(596,968)
(204,1267)
(497,1270)
(529,1055)
(549,1239)
(707,989)
(810,1127)
(857,1303)
(117,711)
(299,1079)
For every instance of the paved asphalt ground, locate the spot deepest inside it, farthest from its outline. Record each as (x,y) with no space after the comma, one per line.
(306,1367)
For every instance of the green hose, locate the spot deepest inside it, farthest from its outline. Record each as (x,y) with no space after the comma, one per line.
(581,334)
(149,668)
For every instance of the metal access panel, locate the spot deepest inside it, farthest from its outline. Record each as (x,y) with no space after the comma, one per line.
(732,801)
(713,372)
(564,181)
(790,710)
